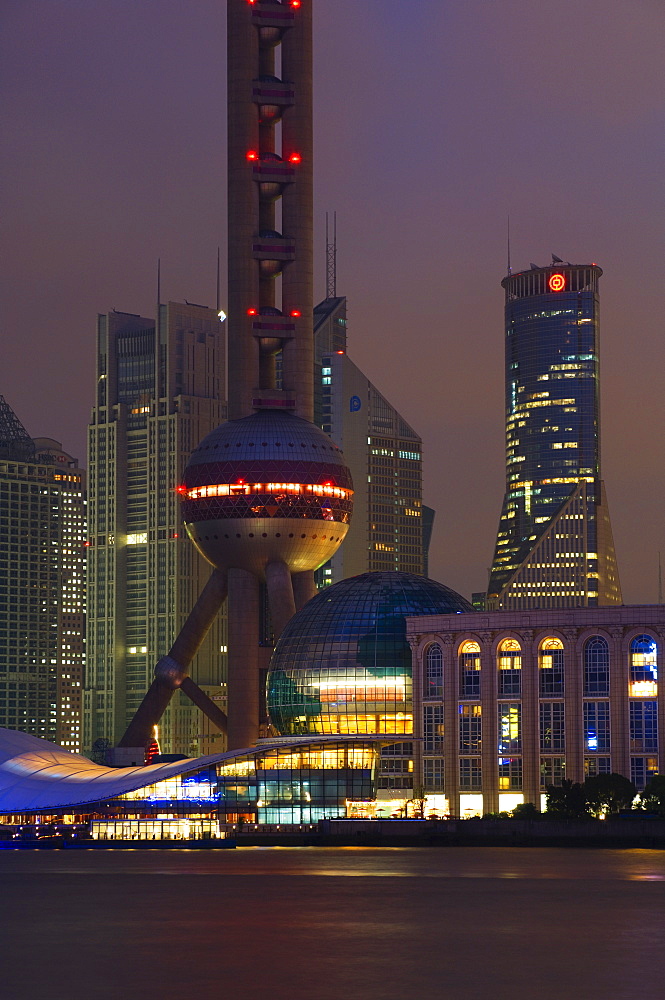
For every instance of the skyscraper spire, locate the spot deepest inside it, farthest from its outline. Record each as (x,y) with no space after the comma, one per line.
(331,259)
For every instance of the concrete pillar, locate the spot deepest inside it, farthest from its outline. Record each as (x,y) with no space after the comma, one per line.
(304,588)
(530,720)
(201,617)
(619,710)
(573,709)
(298,212)
(243,207)
(450,722)
(490,723)
(243,681)
(280,596)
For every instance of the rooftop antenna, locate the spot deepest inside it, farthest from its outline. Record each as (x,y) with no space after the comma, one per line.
(218,290)
(331,259)
(159,299)
(660,580)
(510,270)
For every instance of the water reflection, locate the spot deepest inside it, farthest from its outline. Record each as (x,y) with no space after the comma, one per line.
(351,923)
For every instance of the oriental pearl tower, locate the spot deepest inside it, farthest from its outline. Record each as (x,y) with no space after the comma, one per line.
(267,496)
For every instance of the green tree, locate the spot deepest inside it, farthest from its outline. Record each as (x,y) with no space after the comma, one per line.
(567,800)
(609,793)
(526,810)
(653,796)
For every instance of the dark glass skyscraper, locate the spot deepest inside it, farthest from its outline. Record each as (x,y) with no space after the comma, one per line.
(554,546)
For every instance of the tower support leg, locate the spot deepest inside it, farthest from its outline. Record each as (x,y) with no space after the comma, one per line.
(280,596)
(304,588)
(243,680)
(171,670)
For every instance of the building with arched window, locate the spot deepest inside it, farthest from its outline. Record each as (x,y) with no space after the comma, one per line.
(506,703)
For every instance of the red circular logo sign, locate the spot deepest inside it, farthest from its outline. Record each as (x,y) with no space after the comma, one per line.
(557,282)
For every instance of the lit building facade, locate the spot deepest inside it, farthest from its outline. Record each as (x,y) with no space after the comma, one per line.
(554,546)
(280,781)
(160,389)
(384,454)
(42,585)
(506,703)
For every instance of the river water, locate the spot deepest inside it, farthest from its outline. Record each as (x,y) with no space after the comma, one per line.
(332,924)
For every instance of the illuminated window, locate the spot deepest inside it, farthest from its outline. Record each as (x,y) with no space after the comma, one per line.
(470,728)
(596,666)
(510,729)
(140,538)
(469,664)
(551,668)
(510,668)
(510,774)
(433,686)
(596,726)
(643,667)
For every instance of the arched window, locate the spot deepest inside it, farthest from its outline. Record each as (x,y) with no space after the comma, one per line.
(433,680)
(551,672)
(510,668)
(643,667)
(596,666)
(469,665)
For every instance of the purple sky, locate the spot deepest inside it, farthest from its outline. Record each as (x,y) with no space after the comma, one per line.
(435,120)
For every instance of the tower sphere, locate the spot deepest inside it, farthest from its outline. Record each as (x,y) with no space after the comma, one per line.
(343,664)
(270,487)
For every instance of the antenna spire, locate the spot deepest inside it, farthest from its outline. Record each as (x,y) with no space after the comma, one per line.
(660,580)
(510,270)
(218,289)
(331,259)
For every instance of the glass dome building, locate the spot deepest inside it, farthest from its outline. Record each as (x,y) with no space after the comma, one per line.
(343,663)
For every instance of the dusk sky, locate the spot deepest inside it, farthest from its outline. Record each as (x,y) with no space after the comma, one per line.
(435,121)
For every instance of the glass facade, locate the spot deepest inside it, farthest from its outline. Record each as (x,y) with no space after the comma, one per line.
(343,664)
(276,785)
(552,454)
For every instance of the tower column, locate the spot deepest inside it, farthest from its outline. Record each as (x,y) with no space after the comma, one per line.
(243,681)
(298,212)
(280,595)
(304,588)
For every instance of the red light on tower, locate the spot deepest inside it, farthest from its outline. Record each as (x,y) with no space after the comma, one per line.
(296,313)
(557,282)
(295,158)
(252,311)
(295,3)
(252,154)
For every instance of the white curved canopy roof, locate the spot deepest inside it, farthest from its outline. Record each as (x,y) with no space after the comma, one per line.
(36,775)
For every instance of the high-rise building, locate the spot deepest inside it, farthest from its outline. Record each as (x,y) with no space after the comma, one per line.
(391,527)
(554,546)
(160,389)
(42,585)
(384,455)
